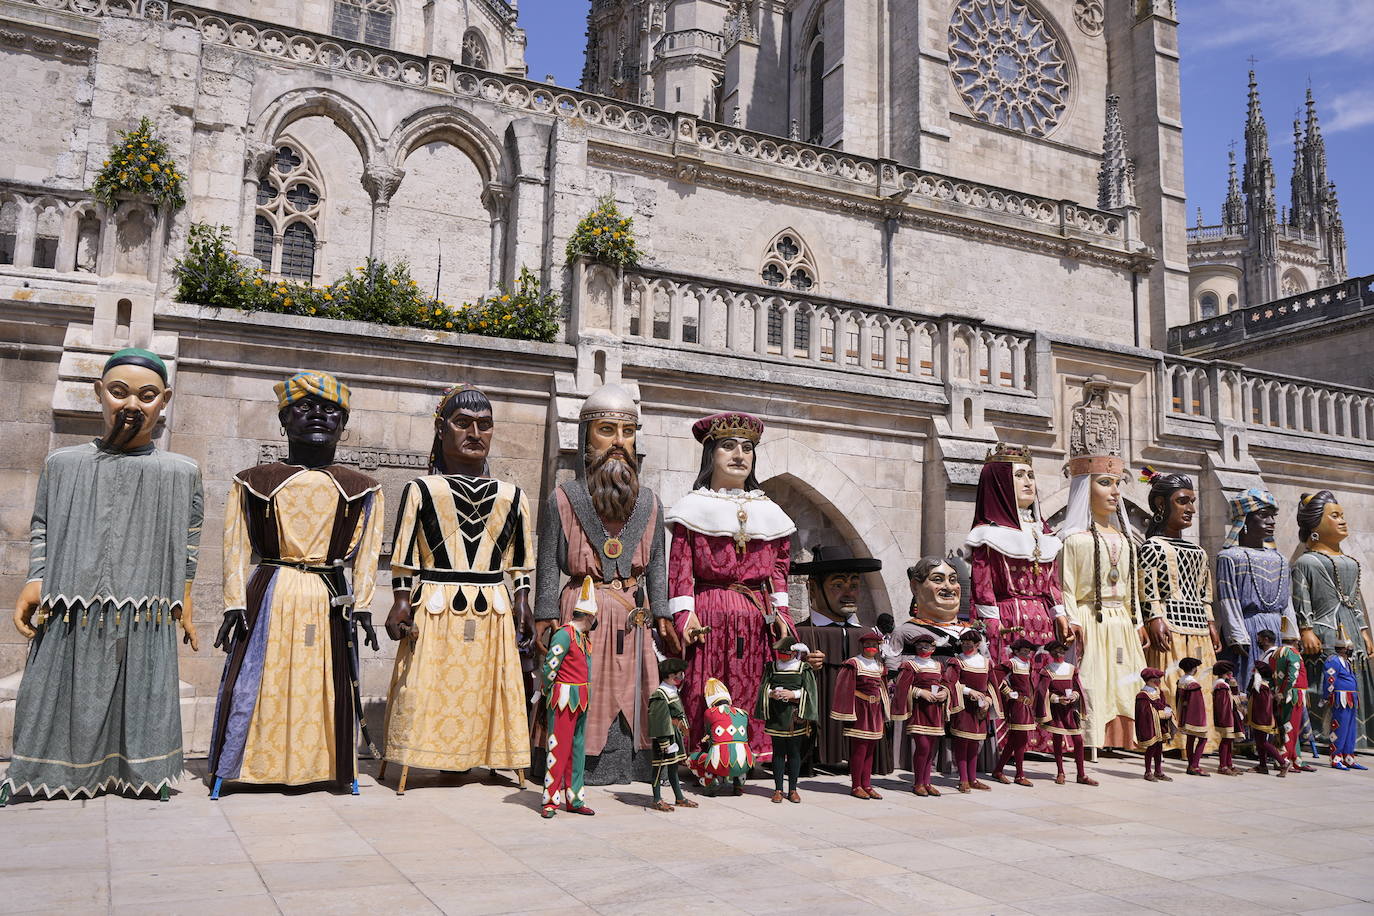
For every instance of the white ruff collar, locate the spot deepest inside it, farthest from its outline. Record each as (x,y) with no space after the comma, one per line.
(1017,543)
(717,513)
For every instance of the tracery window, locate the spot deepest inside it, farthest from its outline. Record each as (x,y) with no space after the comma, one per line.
(787,264)
(1208,306)
(1008,65)
(475,51)
(367,21)
(290,207)
(1293,283)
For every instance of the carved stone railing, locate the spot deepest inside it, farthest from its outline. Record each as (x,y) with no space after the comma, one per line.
(1266,402)
(790,327)
(57,231)
(1274,319)
(690,40)
(1205,233)
(682,135)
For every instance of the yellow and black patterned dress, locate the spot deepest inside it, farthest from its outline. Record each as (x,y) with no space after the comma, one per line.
(457,699)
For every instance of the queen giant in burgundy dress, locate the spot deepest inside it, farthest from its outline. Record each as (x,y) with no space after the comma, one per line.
(1015,567)
(728,562)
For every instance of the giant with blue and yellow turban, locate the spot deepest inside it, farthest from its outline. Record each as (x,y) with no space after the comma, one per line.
(303,384)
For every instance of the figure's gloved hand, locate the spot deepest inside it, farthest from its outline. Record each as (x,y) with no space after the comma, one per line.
(233,628)
(363,619)
(402,617)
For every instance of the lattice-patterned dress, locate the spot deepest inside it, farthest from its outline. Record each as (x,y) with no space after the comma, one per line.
(457,700)
(1176,585)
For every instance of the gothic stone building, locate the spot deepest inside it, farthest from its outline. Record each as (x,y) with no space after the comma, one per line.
(898,231)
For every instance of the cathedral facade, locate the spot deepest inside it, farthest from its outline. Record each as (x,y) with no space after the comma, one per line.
(899,232)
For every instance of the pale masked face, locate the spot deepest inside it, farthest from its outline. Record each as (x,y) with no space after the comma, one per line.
(1023,480)
(132,399)
(937,598)
(1104,494)
(731,464)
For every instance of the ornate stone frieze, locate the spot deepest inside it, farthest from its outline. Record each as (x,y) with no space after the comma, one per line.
(1089,16)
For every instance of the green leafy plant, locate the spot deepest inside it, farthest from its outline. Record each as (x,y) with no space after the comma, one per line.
(605,235)
(140,163)
(213,274)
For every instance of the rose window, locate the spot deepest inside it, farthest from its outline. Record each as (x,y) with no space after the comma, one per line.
(1008,66)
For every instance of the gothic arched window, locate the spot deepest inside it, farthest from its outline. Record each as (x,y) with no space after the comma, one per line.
(787,264)
(1293,283)
(475,51)
(1208,305)
(815,93)
(367,21)
(290,207)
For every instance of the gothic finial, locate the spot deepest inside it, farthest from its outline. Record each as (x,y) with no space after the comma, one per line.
(1115,180)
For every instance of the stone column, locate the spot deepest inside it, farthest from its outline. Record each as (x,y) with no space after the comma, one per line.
(380,181)
(497,201)
(257,159)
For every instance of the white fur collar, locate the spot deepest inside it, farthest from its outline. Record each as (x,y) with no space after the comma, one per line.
(668,689)
(716,513)
(1018,543)
(1060,668)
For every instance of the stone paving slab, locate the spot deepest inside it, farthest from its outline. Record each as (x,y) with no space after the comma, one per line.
(473,844)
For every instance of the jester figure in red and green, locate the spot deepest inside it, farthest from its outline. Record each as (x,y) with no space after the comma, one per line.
(567,678)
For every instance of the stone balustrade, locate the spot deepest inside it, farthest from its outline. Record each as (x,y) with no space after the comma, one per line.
(689,41)
(61,231)
(1203,233)
(899,186)
(787,326)
(1273,319)
(1266,402)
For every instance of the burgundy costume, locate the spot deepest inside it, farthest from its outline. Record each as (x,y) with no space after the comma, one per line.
(1061,717)
(1191,708)
(968,719)
(1015,572)
(1226,719)
(925,719)
(1016,684)
(1262,720)
(861,702)
(1153,727)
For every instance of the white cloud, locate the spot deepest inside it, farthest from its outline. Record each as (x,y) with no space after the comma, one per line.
(1282,28)
(1350,111)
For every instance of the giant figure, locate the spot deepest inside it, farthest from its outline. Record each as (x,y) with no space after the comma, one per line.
(457,693)
(288,704)
(1254,586)
(606,525)
(1015,566)
(1098,572)
(114,541)
(727,570)
(1176,594)
(1327,599)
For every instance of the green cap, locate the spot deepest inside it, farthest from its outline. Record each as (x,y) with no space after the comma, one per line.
(135,356)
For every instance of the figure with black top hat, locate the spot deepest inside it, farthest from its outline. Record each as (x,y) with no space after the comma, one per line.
(834,586)
(788,706)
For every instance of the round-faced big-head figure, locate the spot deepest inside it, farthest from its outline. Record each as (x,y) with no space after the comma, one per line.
(133,392)
(935,586)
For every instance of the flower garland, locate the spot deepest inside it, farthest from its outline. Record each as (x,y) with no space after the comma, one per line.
(140,163)
(603,235)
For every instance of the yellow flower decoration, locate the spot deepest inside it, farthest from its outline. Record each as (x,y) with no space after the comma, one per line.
(287,303)
(328,298)
(154,167)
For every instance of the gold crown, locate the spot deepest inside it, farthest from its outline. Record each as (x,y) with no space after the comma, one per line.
(1012,454)
(732,427)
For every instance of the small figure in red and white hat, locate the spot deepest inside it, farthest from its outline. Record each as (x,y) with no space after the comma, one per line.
(1016,683)
(861,702)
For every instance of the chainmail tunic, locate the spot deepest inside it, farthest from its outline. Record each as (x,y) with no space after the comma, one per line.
(1176,584)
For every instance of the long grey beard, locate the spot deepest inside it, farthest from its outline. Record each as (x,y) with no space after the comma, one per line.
(613,485)
(127,424)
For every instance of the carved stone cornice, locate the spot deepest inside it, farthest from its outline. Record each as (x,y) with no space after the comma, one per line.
(257,159)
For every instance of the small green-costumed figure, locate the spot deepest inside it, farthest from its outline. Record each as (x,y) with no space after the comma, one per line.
(788,705)
(724,755)
(668,732)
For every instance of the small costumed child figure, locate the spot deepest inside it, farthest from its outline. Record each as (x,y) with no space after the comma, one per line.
(972,706)
(668,730)
(1016,681)
(1154,724)
(861,702)
(1189,700)
(788,705)
(724,755)
(1060,706)
(1226,715)
(1263,721)
(567,676)
(921,699)
(1341,690)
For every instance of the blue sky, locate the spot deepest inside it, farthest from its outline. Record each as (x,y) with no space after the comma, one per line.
(1325,41)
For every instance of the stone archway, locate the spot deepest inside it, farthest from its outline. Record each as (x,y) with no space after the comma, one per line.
(829,507)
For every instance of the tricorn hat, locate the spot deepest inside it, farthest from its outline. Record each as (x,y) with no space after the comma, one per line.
(670,666)
(826,559)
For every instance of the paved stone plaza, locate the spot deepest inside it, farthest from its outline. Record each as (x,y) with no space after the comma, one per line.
(1224,845)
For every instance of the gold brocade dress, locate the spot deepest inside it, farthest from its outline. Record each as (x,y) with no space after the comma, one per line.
(457,698)
(1110,657)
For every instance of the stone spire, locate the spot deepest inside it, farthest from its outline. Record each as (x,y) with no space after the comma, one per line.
(1116,178)
(1300,210)
(1233,208)
(1261,209)
(1335,235)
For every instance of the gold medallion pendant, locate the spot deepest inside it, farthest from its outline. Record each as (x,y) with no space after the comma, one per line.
(613,548)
